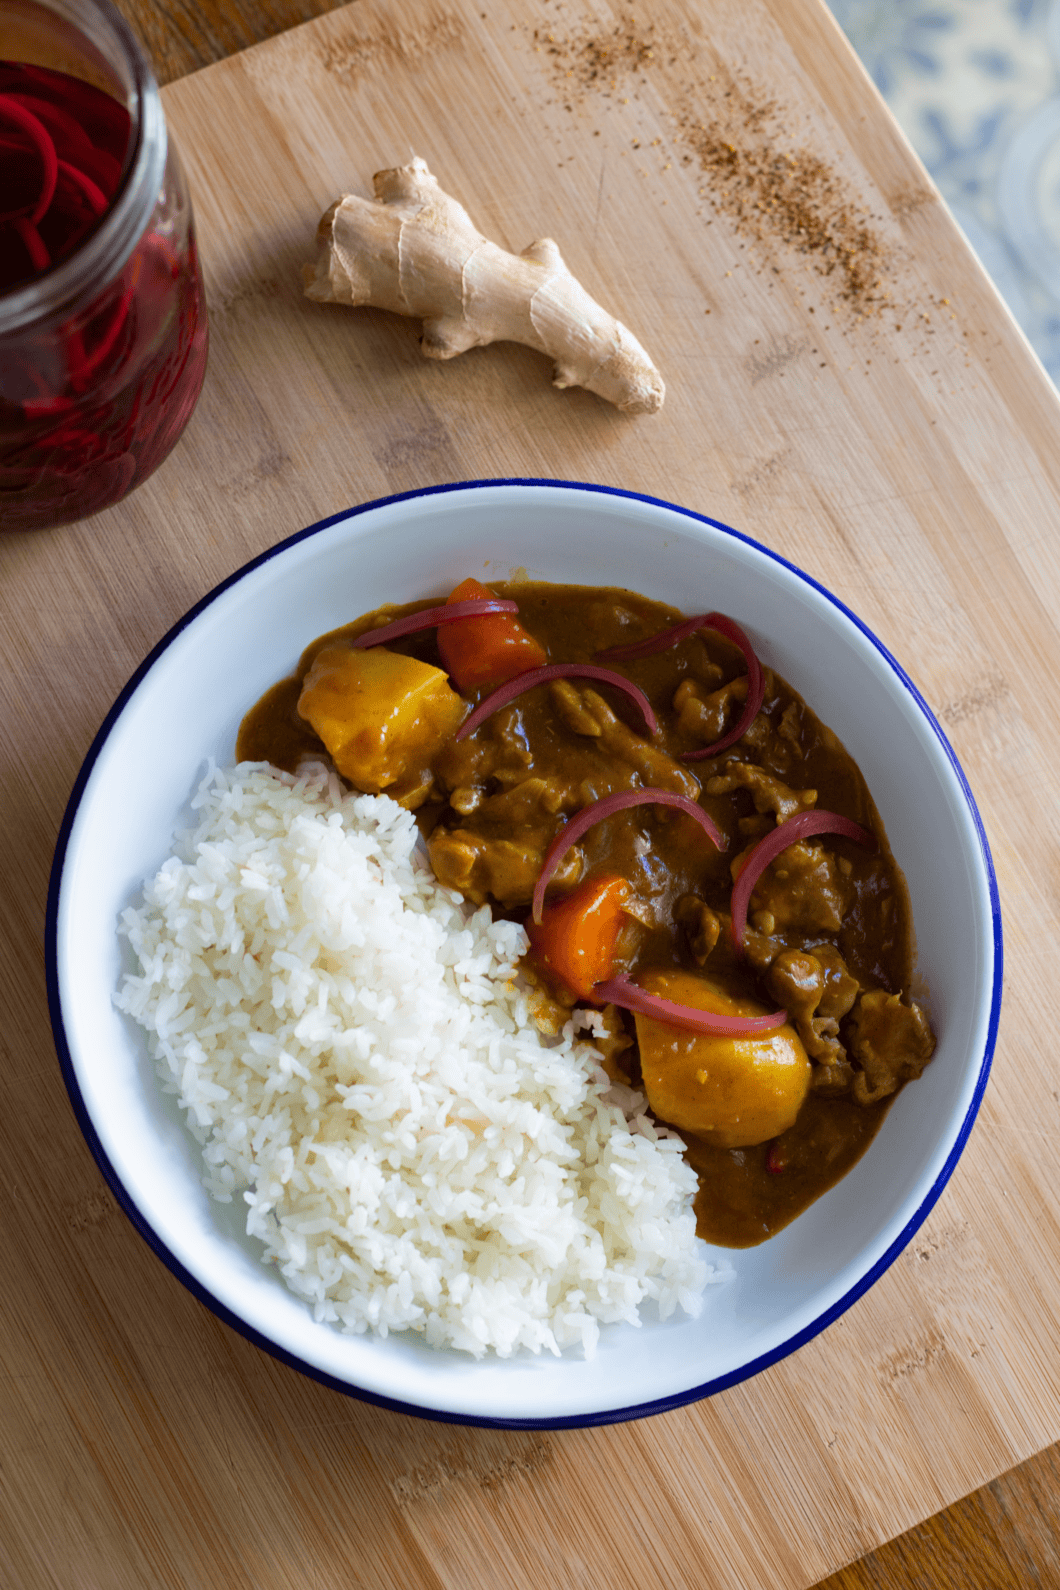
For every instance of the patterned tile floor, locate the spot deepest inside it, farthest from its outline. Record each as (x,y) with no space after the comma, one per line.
(975,84)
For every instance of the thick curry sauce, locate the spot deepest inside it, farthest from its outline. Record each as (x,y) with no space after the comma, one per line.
(829,934)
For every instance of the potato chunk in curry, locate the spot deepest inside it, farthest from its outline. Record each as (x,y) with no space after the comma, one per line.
(731,1091)
(382,716)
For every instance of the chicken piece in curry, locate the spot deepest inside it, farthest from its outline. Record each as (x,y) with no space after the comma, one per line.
(771,1119)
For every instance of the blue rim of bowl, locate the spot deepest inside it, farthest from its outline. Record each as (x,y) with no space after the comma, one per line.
(576,1421)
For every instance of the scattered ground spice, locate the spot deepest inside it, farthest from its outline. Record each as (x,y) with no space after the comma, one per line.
(600,60)
(777,194)
(771,189)
(774,190)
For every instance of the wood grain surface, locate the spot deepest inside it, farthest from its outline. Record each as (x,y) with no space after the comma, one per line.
(904,450)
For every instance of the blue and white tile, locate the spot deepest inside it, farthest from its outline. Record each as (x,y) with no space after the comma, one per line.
(975,85)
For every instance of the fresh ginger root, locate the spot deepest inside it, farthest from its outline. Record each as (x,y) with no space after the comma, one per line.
(414,250)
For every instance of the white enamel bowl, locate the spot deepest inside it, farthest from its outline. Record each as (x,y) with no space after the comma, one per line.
(184,705)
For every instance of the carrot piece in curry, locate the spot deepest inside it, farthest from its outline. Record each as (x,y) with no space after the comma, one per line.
(488,650)
(575,939)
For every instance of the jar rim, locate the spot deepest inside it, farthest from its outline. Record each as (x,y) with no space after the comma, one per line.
(106,250)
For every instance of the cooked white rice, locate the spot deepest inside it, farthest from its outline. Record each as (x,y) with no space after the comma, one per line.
(357,1061)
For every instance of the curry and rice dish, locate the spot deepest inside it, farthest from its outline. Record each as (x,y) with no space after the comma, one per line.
(627,769)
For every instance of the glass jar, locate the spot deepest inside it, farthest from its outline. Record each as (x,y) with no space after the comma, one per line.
(103,331)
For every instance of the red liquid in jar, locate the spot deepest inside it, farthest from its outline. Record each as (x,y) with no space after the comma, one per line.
(91,399)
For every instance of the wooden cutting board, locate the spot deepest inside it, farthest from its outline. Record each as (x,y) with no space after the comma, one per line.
(843,385)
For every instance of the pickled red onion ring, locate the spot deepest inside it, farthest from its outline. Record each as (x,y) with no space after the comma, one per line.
(620,991)
(44,145)
(35,246)
(756,688)
(94,195)
(666,638)
(597,811)
(431,617)
(90,363)
(768,849)
(540,676)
